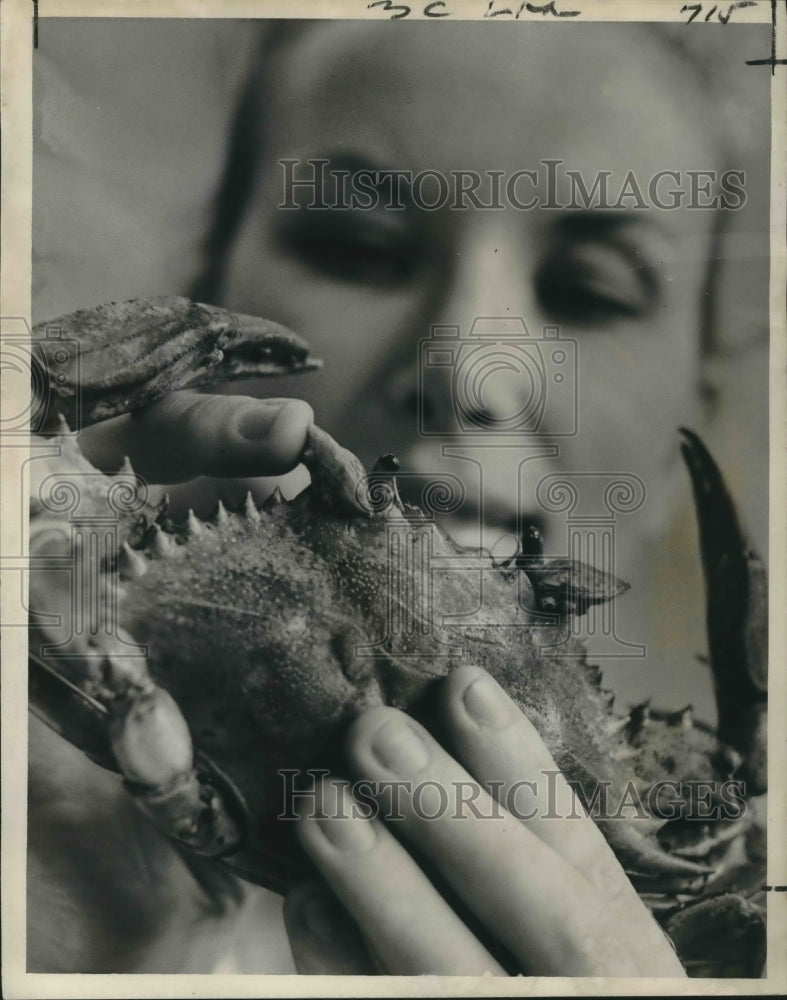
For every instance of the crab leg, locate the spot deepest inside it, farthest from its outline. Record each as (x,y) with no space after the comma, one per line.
(338,476)
(99,674)
(737,615)
(67,710)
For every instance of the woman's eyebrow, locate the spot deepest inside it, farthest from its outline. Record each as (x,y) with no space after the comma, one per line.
(343,160)
(382,179)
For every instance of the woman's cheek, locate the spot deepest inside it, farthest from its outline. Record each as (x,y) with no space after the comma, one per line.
(632,394)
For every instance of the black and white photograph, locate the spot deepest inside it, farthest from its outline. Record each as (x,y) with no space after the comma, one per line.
(393,437)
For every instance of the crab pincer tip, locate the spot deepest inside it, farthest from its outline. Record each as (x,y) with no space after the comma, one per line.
(273,339)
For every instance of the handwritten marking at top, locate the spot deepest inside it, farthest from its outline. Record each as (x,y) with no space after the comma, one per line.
(532,8)
(722,15)
(439,8)
(433,9)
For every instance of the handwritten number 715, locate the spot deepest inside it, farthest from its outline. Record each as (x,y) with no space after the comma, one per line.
(696,10)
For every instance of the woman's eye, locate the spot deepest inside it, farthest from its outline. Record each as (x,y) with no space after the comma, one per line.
(595,284)
(351,246)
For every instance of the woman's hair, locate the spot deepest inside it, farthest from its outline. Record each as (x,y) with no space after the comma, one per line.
(244,153)
(247,136)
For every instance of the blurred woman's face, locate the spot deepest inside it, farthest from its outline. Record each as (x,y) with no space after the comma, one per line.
(365,287)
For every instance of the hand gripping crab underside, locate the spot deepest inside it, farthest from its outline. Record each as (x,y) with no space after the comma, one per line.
(200,659)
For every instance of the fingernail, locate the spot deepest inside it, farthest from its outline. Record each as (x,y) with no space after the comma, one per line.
(339,824)
(487,704)
(256,422)
(399,748)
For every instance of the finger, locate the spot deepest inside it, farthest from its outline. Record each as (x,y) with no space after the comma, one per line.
(536,904)
(500,746)
(406,924)
(323,938)
(189,434)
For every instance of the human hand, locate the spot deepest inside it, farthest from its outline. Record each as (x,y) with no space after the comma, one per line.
(106,891)
(544,896)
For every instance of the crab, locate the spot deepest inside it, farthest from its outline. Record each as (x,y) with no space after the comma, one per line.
(213,656)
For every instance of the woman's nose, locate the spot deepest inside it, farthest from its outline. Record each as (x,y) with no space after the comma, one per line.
(469,372)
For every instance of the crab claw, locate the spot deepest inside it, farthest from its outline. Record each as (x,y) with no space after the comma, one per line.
(737,615)
(115,358)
